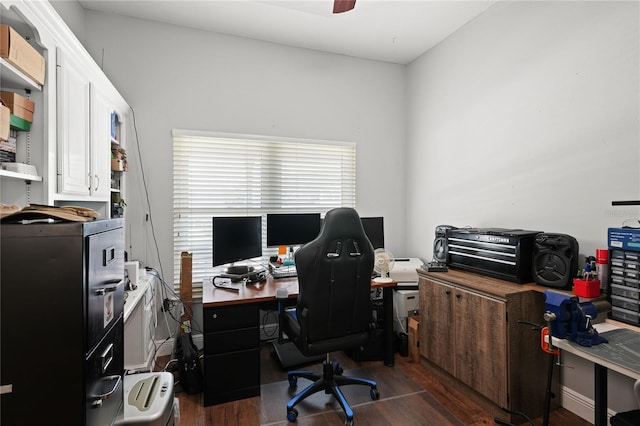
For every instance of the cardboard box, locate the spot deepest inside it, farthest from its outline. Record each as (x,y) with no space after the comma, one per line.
(11,99)
(17,51)
(22,113)
(5,122)
(117,165)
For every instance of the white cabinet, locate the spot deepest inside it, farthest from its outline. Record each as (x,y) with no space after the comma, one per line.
(70,137)
(139,325)
(74,151)
(84,133)
(100,144)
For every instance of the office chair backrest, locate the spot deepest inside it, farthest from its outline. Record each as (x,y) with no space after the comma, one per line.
(334,277)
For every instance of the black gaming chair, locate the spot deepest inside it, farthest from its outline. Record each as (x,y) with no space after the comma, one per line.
(333,308)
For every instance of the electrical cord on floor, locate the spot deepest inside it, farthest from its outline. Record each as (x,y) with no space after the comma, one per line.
(519,413)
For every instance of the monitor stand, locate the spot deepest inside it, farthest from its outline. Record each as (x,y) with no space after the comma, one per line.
(244,272)
(238,269)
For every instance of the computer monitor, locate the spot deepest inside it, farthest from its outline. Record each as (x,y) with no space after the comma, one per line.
(374,228)
(292,229)
(236,238)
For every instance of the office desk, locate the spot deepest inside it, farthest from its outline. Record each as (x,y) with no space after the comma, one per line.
(621,354)
(232,335)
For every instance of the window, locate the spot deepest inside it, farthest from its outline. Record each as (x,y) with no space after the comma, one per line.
(227,175)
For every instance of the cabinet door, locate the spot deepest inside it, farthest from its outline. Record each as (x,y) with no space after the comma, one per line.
(74,167)
(481,344)
(436,325)
(100,145)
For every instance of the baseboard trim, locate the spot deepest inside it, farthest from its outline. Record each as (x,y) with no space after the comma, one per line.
(165,347)
(579,404)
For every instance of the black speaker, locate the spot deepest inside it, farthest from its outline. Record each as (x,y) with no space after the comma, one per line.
(440,251)
(555,260)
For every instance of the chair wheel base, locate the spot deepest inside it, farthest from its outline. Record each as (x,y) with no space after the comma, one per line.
(292,414)
(374,393)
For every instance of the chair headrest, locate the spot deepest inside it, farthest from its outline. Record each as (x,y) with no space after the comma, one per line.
(343,223)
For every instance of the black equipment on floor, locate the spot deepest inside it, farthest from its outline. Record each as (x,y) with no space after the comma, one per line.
(191,379)
(333,310)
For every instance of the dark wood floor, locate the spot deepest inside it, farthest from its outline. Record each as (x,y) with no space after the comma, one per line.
(408,396)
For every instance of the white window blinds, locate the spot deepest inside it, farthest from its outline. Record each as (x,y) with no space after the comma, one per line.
(230,175)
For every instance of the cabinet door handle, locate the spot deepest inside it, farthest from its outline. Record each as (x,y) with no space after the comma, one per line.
(108,255)
(111,287)
(101,395)
(447,292)
(97,182)
(107,357)
(458,296)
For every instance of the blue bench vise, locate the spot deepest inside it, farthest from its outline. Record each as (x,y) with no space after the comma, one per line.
(570,319)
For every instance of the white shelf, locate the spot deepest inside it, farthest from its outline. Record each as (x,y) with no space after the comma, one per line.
(13,78)
(21,176)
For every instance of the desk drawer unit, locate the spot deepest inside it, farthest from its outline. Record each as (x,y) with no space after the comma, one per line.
(624,283)
(232,353)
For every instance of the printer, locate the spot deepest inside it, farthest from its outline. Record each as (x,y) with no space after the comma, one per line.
(404,272)
(406,301)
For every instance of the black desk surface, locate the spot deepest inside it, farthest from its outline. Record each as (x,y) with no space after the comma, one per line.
(623,348)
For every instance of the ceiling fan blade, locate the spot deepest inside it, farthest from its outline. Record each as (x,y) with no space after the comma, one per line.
(340,6)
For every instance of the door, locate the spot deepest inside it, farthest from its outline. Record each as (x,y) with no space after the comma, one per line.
(436,334)
(481,344)
(100,145)
(74,166)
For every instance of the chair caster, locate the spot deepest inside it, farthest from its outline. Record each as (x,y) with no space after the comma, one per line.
(337,370)
(374,393)
(292,414)
(293,381)
(348,422)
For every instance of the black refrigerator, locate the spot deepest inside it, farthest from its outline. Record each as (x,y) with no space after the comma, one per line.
(61,341)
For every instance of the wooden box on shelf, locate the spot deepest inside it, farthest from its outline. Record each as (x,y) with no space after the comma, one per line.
(21,54)
(5,122)
(117,165)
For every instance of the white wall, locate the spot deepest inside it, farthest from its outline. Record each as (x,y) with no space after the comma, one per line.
(528,117)
(175,77)
(73,14)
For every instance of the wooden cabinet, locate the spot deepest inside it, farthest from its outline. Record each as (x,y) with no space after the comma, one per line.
(470,329)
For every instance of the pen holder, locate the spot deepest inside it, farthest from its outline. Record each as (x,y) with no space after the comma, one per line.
(586,288)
